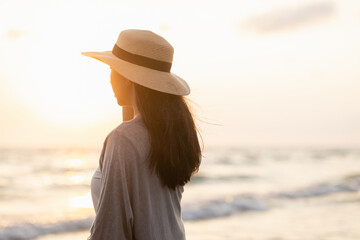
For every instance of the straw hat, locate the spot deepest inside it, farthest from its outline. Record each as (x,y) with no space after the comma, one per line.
(145,58)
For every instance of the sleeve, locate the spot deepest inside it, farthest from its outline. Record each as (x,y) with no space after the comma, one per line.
(114,219)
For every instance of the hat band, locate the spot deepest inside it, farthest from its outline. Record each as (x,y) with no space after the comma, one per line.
(141,60)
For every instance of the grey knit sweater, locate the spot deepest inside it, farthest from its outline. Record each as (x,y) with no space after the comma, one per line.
(129,200)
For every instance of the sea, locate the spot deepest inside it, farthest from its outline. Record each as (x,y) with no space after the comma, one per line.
(239,193)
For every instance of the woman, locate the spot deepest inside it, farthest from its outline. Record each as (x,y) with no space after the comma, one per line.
(145,161)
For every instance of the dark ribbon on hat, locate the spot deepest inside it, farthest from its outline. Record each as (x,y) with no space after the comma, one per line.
(141,60)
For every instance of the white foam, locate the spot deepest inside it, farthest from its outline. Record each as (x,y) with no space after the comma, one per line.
(348,184)
(26,231)
(223,207)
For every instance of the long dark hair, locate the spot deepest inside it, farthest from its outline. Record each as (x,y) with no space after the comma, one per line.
(175,153)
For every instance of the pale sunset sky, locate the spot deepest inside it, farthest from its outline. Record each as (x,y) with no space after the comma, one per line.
(273,73)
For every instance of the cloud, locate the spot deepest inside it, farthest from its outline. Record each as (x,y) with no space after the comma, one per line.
(289,18)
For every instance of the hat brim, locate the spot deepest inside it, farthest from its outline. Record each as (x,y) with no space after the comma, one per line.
(157,80)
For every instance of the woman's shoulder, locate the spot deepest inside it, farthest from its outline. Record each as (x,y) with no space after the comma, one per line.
(133,131)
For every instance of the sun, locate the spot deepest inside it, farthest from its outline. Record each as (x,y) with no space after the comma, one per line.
(53,78)
(68,89)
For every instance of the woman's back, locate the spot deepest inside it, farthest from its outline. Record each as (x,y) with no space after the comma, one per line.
(128,195)
(145,162)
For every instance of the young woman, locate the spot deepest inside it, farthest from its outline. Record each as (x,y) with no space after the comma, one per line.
(145,161)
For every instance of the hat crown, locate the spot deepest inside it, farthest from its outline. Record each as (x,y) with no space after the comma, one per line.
(146,43)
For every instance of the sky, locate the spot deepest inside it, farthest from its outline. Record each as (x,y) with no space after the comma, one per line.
(262,73)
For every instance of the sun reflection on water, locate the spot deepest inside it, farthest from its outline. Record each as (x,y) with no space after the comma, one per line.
(74,162)
(76,179)
(82,201)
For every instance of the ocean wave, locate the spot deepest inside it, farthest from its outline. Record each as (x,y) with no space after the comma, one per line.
(28,231)
(223,207)
(198,179)
(350,183)
(206,209)
(191,212)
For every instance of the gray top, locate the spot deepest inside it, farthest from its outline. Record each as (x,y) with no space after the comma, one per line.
(129,200)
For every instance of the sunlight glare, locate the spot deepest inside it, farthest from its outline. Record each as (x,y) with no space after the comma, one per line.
(74,162)
(83,201)
(60,84)
(76,179)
